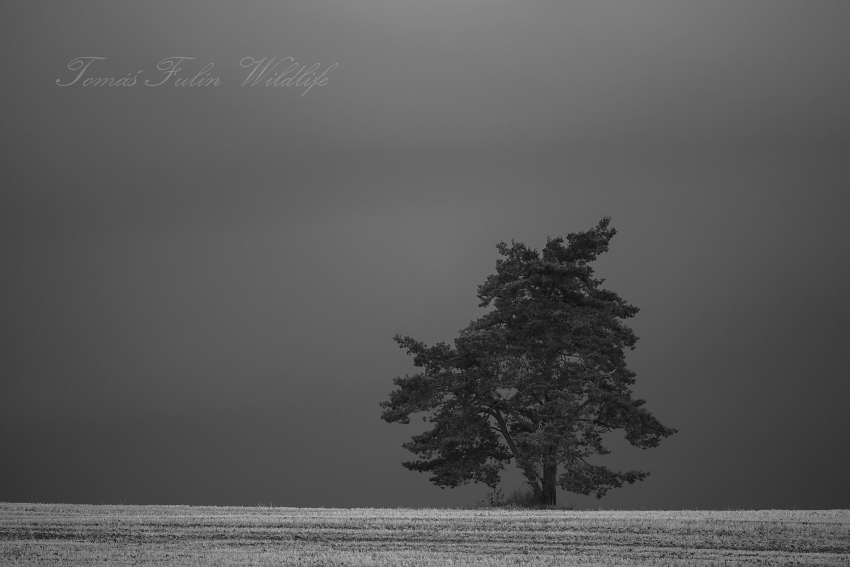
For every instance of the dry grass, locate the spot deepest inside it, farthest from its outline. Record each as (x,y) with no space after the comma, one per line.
(53,534)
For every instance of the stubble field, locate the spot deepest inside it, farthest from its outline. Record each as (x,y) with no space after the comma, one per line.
(57,534)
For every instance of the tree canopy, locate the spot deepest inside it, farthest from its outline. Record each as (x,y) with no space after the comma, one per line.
(537,380)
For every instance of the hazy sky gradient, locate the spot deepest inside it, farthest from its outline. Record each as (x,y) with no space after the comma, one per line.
(200,285)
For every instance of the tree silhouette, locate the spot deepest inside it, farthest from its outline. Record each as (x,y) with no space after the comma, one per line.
(537,380)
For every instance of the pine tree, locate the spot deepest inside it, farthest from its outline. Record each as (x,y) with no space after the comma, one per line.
(537,380)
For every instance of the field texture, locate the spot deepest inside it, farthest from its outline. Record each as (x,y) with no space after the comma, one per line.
(55,534)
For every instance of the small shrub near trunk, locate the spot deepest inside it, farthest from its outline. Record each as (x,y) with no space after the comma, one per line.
(521,497)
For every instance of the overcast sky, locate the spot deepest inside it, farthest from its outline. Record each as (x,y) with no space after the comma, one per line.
(200,285)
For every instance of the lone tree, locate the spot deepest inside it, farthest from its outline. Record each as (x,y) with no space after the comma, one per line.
(536,380)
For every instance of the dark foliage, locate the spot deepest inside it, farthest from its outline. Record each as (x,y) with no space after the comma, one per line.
(537,380)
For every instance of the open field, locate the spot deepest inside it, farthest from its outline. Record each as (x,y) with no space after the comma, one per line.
(58,534)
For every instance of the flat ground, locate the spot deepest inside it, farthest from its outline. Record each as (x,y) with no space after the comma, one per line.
(59,534)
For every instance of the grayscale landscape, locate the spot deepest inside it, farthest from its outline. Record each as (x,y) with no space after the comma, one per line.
(310,282)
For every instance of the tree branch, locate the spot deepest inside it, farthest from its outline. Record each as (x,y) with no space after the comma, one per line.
(503,429)
(530,473)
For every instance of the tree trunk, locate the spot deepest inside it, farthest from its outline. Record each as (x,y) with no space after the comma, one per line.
(549,488)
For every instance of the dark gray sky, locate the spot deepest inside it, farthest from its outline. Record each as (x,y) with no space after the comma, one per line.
(200,284)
